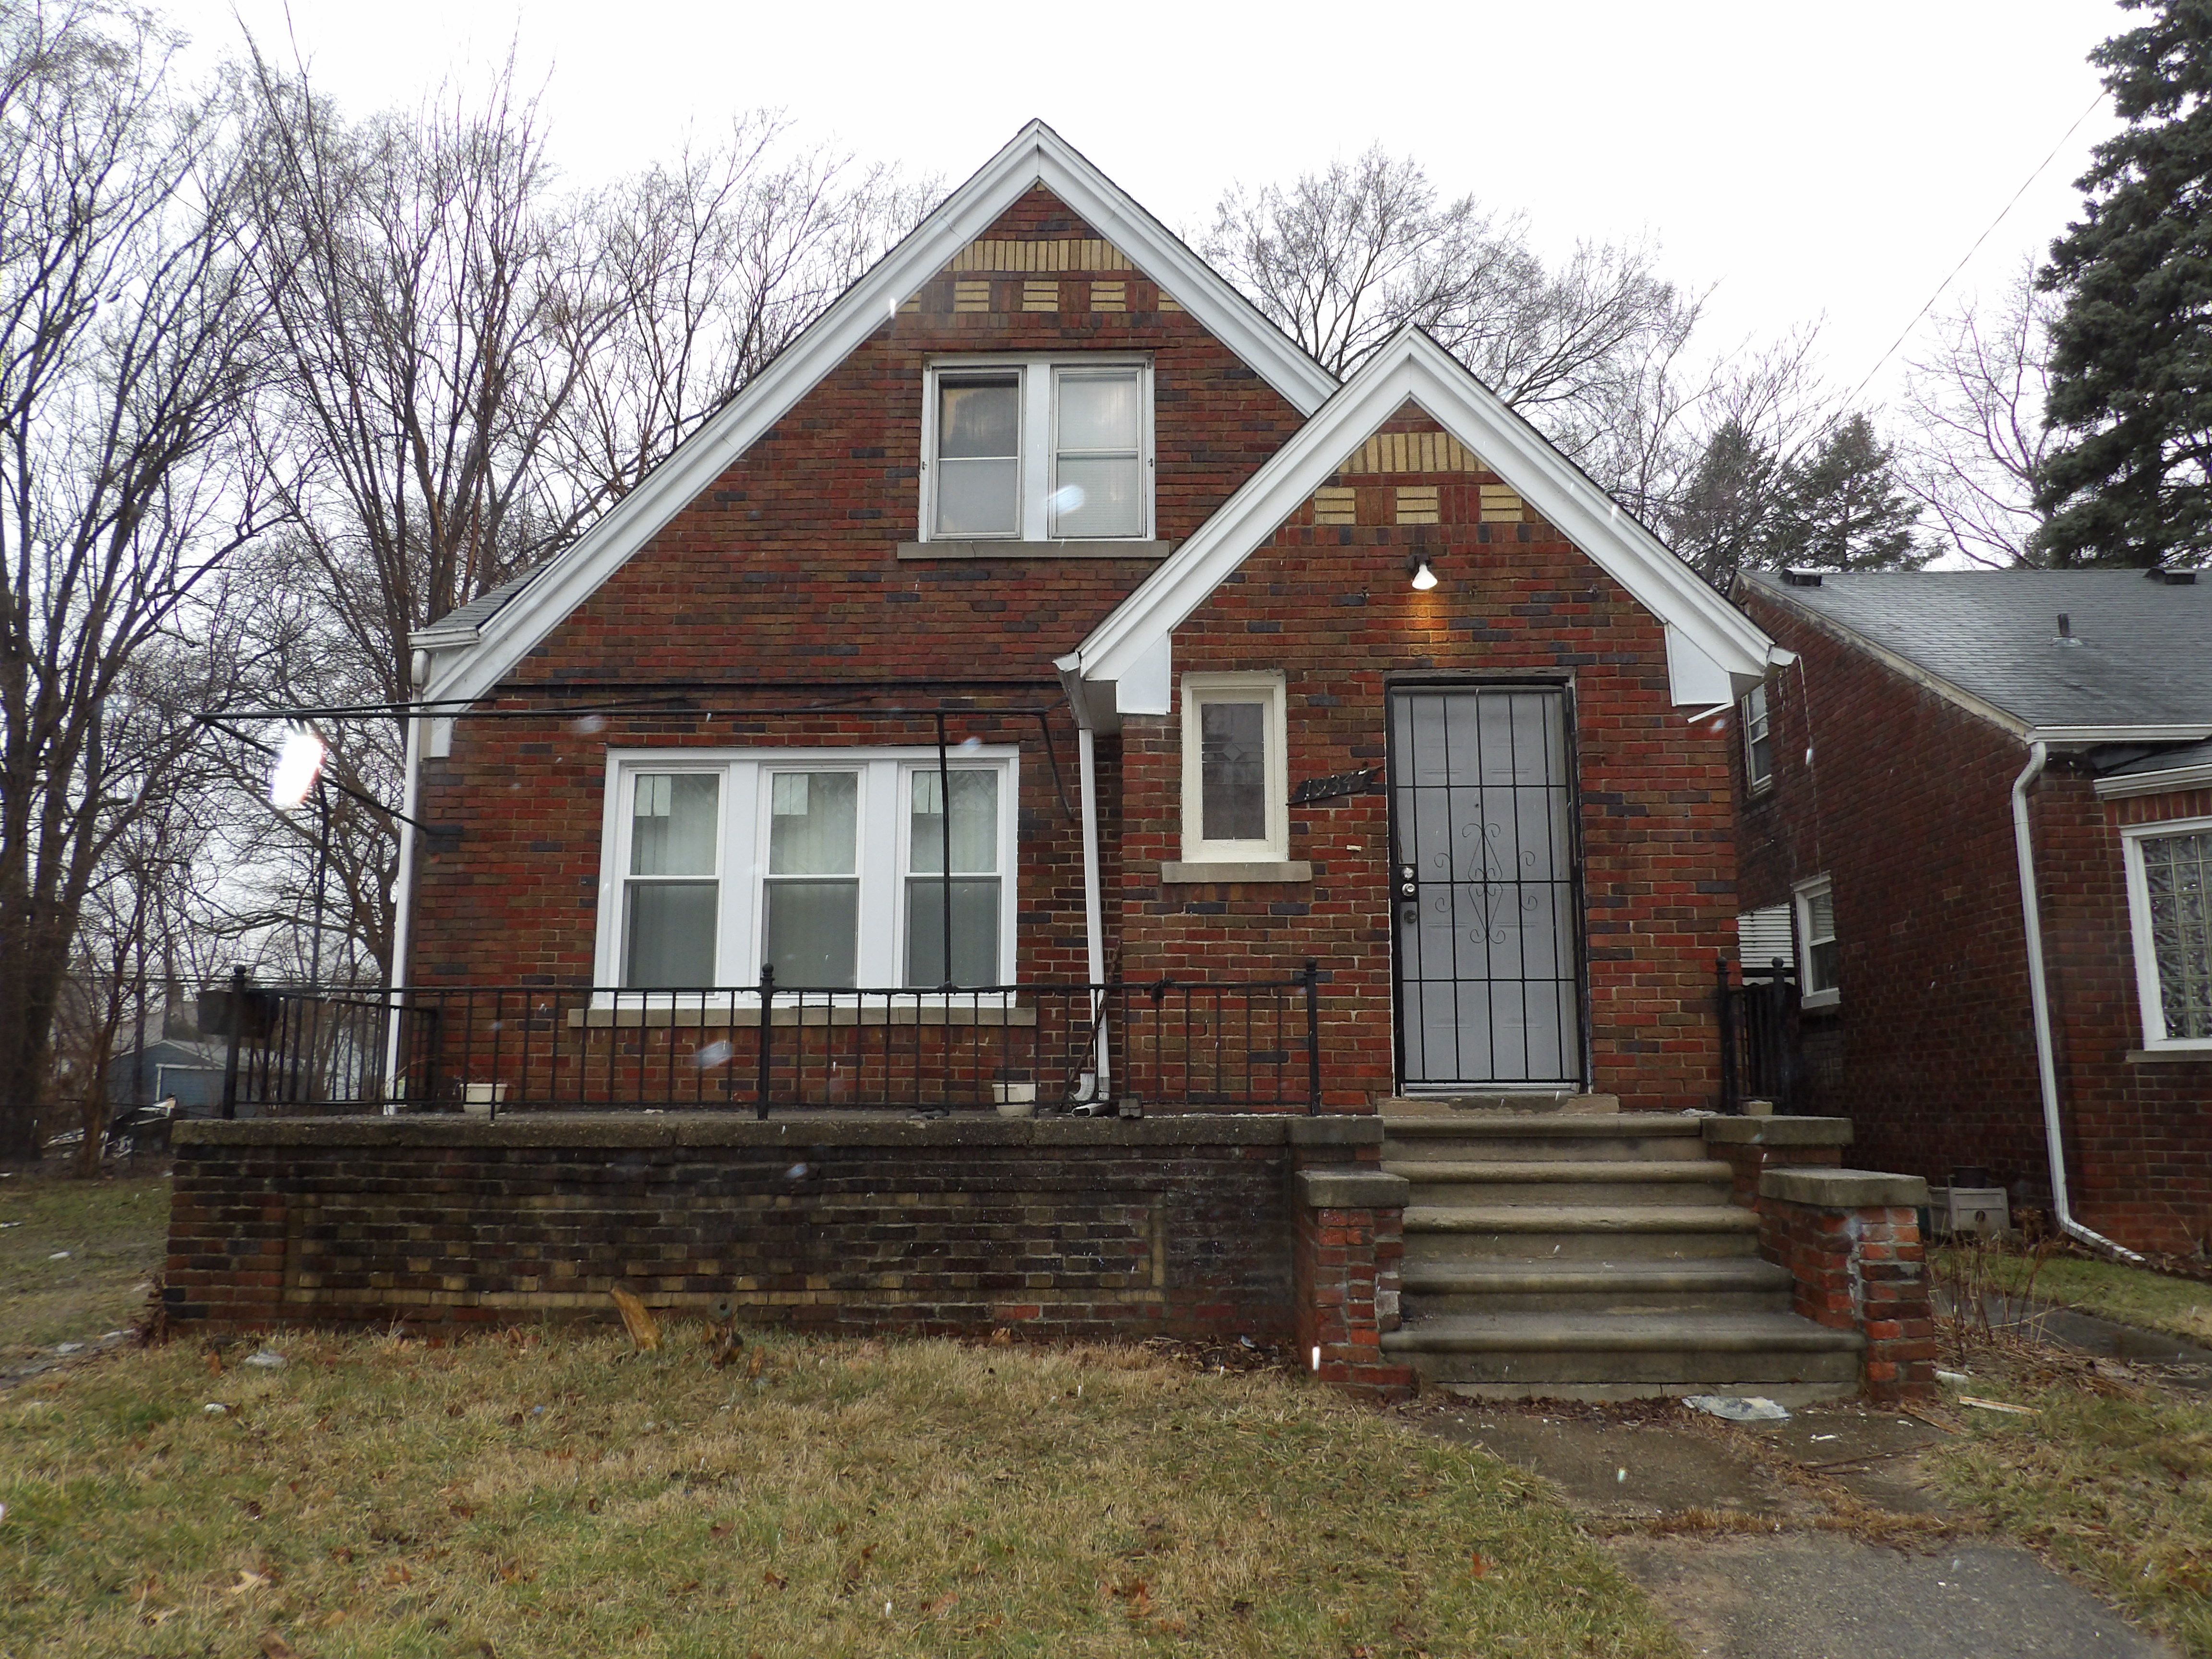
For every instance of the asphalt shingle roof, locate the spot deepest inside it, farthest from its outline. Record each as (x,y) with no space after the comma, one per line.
(2145,656)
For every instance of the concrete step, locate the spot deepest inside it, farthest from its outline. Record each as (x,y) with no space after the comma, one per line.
(1438,1232)
(1521,1138)
(1650,1349)
(1519,1102)
(1624,1285)
(1562,1180)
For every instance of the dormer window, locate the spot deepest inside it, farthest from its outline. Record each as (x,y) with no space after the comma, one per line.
(1038,449)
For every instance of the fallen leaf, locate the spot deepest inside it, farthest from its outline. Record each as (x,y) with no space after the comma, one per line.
(247,1580)
(753,1365)
(396,1573)
(721,1529)
(643,1329)
(1478,1564)
(274,1646)
(774,1579)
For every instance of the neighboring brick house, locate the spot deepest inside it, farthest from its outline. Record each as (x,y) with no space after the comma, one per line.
(1042,484)
(1935,733)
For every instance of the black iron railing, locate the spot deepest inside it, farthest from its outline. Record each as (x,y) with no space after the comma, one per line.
(1203,1045)
(1759,1035)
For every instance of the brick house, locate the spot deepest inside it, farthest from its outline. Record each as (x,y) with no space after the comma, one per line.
(1934,735)
(1042,484)
(1046,687)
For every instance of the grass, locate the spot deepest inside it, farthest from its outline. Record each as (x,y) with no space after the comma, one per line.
(2115,1484)
(554,1493)
(113,1230)
(2133,1296)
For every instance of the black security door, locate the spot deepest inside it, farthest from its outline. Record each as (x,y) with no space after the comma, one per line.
(1482,805)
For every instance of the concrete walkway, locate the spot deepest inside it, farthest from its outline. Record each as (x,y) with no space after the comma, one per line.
(1737,1534)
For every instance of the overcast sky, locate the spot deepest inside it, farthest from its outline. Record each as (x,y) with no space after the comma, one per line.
(1811,163)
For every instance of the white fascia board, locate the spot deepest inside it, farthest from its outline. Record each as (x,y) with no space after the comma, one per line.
(2131,784)
(2069,737)
(1413,366)
(1036,156)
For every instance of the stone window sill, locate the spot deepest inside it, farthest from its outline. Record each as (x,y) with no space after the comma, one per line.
(1013,549)
(2200,1055)
(1178,873)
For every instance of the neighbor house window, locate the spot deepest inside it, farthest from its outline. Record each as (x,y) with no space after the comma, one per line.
(1038,449)
(1758,741)
(829,867)
(1236,796)
(2169,870)
(1816,944)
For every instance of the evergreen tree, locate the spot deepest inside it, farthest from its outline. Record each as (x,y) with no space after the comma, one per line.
(2131,351)
(1721,519)
(1842,507)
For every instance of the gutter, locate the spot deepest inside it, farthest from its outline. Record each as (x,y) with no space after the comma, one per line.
(2125,785)
(2039,993)
(1094,898)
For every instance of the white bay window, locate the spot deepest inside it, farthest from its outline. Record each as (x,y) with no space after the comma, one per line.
(1038,449)
(829,865)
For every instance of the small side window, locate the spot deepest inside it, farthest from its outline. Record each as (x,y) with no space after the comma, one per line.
(1235,768)
(1817,950)
(1758,741)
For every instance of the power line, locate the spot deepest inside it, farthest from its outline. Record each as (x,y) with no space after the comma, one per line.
(2041,169)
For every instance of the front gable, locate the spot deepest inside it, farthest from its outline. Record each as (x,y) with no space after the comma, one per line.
(1714,651)
(1038,232)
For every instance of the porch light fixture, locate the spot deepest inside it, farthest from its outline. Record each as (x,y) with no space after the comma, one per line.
(1417,565)
(299,764)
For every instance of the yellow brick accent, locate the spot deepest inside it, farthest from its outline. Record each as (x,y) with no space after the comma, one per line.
(971,296)
(1043,256)
(1335,504)
(1109,296)
(1041,297)
(1500,505)
(915,304)
(1414,452)
(1416,503)
(1166,304)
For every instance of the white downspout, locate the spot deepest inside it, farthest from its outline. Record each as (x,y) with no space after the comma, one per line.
(1094,902)
(2038,995)
(410,806)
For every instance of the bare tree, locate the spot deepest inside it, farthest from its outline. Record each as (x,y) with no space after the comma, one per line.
(125,323)
(706,270)
(1977,399)
(1342,259)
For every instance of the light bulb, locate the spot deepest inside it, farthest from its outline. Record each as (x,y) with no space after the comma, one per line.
(1424,578)
(297,767)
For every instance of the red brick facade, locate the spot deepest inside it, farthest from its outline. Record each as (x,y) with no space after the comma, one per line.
(781,589)
(1906,805)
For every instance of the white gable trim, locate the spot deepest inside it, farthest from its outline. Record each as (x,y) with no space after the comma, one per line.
(474,663)
(1714,651)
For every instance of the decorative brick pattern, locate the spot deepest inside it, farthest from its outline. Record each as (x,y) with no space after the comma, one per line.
(1416,504)
(1040,296)
(1109,296)
(1333,504)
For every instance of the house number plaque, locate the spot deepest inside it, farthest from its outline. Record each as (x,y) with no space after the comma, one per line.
(1337,785)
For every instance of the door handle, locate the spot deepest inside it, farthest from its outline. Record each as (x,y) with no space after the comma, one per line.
(1408,882)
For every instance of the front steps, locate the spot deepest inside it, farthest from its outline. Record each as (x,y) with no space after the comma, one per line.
(1591,1256)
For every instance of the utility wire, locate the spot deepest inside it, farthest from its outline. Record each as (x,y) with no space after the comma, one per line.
(2041,169)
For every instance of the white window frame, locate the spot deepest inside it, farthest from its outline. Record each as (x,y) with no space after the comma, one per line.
(744,802)
(2148,995)
(1198,688)
(1755,780)
(1035,375)
(1801,914)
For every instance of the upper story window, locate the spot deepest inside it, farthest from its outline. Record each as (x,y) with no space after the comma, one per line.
(1038,449)
(1758,741)
(2169,870)
(1236,794)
